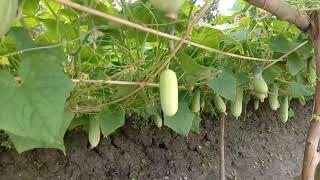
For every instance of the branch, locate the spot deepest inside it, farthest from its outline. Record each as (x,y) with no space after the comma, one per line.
(129,83)
(284,11)
(311,155)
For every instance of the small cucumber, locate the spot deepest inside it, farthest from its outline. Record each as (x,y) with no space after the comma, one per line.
(261,97)
(8,13)
(169,92)
(94,132)
(157,120)
(236,105)
(259,84)
(219,103)
(273,99)
(284,109)
(256,105)
(195,105)
(167,6)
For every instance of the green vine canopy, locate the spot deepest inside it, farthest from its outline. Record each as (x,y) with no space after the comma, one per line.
(88,63)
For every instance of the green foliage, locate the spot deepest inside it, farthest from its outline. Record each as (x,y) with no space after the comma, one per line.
(52,44)
(111,121)
(33,109)
(224,85)
(182,121)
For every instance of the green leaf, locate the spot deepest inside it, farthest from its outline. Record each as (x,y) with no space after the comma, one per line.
(153,110)
(196,124)
(280,44)
(182,121)
(295,64)
(242,79)
(193,70)
(297,90)
(31,8)
(33,111)
(273,72)
(224,85)
(189,65)
(21,38)
(212,37)
(79,121)
(24,143)
(111,121)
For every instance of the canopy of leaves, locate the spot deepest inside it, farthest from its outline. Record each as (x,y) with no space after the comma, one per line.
(52,44)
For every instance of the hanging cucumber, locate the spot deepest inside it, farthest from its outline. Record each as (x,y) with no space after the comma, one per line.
(273,99)
(202,103)
(94,132)
(256,105)
(261,97)
(284,109)
(195,105)
(236,105)
(259,84)
(8,13)
(168,6)
(219,103)
(157,120)
(169,92)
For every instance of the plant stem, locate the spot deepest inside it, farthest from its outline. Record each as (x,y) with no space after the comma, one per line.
(129,83)
(221,142)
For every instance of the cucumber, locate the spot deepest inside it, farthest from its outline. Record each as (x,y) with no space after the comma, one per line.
(273,99)
(202,105)
(261,97)
(94,132)
(167,6)
(236,105)
(195,105)
(259,84)
(8,13)
(219,103)
(256,105)
(284,109)
(169,92)
(157,120)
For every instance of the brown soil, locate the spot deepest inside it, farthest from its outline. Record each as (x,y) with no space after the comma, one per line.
(258,146)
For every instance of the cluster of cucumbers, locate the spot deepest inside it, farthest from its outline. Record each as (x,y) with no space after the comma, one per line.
(169,97)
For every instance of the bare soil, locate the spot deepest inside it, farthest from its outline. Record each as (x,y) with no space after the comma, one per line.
(258,146)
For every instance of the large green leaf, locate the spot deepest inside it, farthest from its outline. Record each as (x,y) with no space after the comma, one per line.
(33,110)
(192,70)
(111,121)
(182,121)
(224,85)
(297,90)
(295,64)
(273,72)
(23,143)
(212,37)
(281,44)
